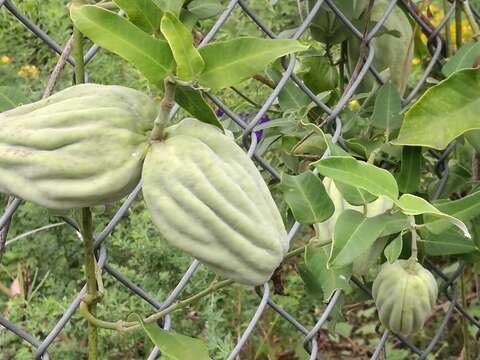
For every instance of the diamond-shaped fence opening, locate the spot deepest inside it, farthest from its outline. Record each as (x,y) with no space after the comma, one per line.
(309,332)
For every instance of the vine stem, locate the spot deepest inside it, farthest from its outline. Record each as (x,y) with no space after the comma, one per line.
(448,34)
(166,105)
(463,293)
(77,51)
(214,286)
(84,216)
(89,300)
(471,19)
(458,23)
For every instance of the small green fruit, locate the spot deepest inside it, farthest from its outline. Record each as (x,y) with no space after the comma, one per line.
(404,293)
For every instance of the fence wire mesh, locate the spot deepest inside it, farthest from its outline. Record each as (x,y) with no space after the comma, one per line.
(309,332)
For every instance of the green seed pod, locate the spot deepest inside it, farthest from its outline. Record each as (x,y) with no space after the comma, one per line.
(208,199)
(83,146)
(404,294)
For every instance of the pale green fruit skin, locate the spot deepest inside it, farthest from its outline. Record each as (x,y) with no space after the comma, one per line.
(83,146)
(207,198)
(326,228)
(404,296)
(390,51)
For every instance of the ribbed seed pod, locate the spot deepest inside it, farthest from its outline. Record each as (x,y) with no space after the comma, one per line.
(207,198)
(404,295)
(83,146)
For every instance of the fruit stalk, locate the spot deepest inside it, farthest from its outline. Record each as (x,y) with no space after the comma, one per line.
(414,251)
(166,105)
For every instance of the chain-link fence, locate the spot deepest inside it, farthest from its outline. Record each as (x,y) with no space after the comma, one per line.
(309,332)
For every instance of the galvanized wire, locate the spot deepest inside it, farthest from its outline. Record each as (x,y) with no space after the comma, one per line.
(310,333)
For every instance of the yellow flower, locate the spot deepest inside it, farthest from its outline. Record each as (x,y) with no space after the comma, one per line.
(33,71)
(4,59)
(354,105)
(28,71)
(416,61)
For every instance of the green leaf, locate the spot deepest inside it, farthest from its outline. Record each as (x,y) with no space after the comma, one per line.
(443,112)
(291,98)
(318,74)
(386,113)
(143,13)
(329,280)
(353,195)
(230,62)
(193,102)
(411,166)
(188,59)
(10,97)
(327,28)
(394,249)
(394,223)
(312,285)
(354,234)
(450,242)
(464,209)
(204,9)
(176,346)
(307,198)
(173,6)
(149,55)
(360,174)
(414,205)
(464,58)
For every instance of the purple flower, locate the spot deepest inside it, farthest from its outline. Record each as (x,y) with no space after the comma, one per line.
(263,119)
(219,112)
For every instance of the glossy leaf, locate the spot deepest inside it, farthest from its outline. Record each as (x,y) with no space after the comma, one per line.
(230,62)
(464,209)
(414,205)
(149,55)
(394,223)
(204,9)
(360,174)
(10,97)
(394,249)
(444,112)
(410,171)
(328,279)
(318,74)
(173,6)
(464,58)
(194,102)
(353,195)
(450,242)
(307,198)
(143,13)
(174,345)
(386,113)
(354,234)
(189,62)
